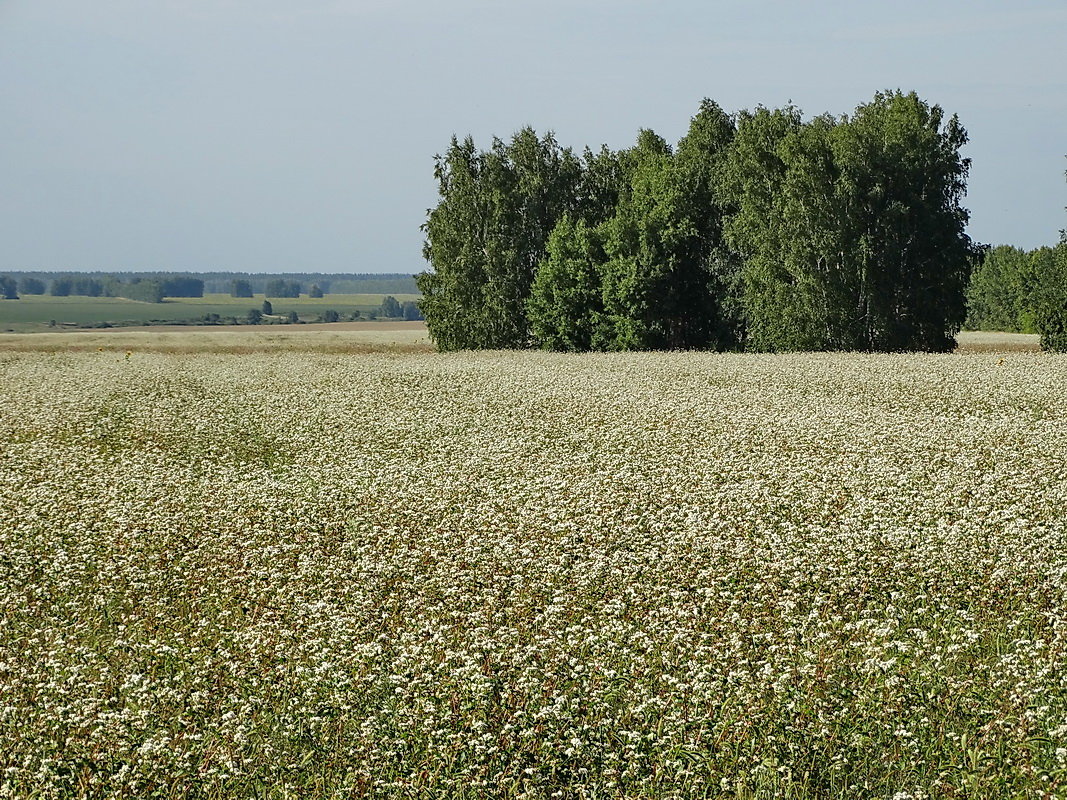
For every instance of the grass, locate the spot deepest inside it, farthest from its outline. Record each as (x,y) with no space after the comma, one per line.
(35,312)
(261,563)
(336,338)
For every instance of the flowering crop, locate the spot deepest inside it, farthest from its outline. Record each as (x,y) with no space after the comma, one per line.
(305,574)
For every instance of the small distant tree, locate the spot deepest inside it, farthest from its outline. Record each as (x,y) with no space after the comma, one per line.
(87,287)
(282,288)
(268,309)
(292,317)
(8,288)
(183,286)
(240,288)
(144,291)
(315,291)
(254,316)
(60,287)
(410,310)
(29,285)
(356,315)
(390,308)
(329,315)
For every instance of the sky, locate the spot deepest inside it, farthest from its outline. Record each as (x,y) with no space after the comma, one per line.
(299,136)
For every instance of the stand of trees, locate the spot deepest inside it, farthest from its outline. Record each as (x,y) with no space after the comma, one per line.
(8,288)
(759,231)
(282,288)
(30,285)
(1022,292)
(241,288)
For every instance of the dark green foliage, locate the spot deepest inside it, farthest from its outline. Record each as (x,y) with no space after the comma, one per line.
(144,291)
(8,288)
(30,285)
(667,273)
(1000,294)
(267,308)
(240,288)
(410,310)
(700,171)
(647,279)
(851,230)
(775,303)
(315,291)
(390,308)
(182,286)
(291,317)
(1050,297)
(762,231)
(903,180)
(279,287)
(254,316)
(81,286)
(89,287)
(604,180)
(566,307)
(329,315)
(488,233)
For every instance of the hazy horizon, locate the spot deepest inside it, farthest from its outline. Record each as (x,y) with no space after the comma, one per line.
(227,136)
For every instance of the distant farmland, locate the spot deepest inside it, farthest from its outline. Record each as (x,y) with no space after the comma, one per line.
(38,312)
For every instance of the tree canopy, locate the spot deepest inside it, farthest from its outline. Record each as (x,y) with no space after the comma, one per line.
(761,230)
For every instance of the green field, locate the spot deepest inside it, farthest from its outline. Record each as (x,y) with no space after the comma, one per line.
(36,312)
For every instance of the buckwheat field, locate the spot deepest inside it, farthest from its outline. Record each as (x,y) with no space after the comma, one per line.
(300,572)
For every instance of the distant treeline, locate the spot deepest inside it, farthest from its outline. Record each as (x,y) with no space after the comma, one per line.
(196,284)
(132,287)
(1021,291)
(354,283)
(759,231)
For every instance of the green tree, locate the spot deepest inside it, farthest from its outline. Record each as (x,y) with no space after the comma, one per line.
(1050,306)
(279,287)
(851,230)
(254,316)
(182,286)
(770,284)
(1050,298)
(487,234)
(29,285)
(144,291)
(315,291)
(390,308)
(712,281)
(604,180)
(240,288)
(8,288)
(904,179)
(566,307)
(656,283)
(1000,292)
(410,310)
(267,309)
(291,317)
(60,287)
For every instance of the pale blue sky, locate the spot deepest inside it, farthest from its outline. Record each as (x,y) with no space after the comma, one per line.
(299,136)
